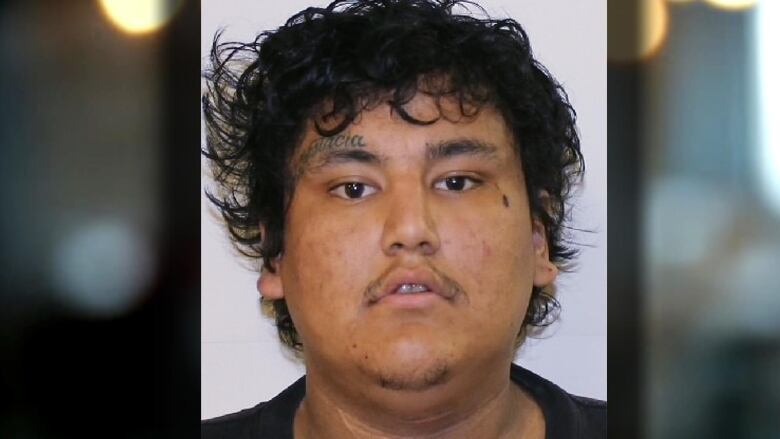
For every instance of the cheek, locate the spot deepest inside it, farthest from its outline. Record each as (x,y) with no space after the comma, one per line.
(323,275)
(323,244)
(493,256)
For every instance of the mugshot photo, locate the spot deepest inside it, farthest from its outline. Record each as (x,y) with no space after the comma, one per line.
(403,219)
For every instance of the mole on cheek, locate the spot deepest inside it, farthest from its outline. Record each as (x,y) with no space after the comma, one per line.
(506,200)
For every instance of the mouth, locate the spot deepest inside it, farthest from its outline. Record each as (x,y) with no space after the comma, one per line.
(413,288)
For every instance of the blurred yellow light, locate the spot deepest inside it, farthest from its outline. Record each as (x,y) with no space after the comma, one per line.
(139,16)
(732,5)
(627,43)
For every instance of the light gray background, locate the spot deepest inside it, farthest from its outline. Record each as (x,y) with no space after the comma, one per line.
(242,361)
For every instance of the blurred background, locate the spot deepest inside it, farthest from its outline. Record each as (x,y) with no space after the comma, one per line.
(99,309)
(694,187)
(99,183)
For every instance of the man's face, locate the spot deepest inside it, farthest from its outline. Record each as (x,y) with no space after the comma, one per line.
(410,251)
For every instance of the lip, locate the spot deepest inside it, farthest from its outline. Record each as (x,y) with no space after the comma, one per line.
(387,294)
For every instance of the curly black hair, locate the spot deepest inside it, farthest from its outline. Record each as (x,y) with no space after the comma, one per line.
(353,55)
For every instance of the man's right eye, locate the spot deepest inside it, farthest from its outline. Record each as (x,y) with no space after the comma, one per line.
(353,190)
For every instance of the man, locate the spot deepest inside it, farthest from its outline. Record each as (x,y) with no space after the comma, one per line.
(401,170)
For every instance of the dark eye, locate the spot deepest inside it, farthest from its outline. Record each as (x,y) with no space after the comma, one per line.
(353,190)
(457,183)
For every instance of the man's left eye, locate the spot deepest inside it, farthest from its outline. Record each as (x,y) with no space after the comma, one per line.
(457,183)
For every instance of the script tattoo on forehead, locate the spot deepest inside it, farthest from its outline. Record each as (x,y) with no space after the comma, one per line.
(325,144)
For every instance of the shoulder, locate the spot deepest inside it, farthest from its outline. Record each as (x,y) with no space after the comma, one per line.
(566,415)
(233,426)
(271,419)
(593,416)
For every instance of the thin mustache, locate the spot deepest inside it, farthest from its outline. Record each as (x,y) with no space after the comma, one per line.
(451,286)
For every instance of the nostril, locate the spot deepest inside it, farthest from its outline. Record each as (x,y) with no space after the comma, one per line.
(426,247)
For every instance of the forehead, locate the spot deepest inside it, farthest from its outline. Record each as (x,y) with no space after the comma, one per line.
(385,130)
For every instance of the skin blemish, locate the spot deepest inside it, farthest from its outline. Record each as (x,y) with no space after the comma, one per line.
(486,251)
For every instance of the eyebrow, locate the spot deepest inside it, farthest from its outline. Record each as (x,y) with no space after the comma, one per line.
(459,147)
(335,157)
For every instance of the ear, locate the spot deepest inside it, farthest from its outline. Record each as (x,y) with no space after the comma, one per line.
(546,271)
(269,285)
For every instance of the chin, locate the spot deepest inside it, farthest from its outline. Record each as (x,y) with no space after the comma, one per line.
(411,364)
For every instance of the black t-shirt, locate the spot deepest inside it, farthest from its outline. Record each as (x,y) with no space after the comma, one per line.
(566,416)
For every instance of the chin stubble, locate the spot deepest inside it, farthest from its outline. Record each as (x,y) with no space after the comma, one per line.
(432,376)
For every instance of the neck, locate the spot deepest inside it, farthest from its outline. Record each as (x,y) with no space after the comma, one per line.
(460,408)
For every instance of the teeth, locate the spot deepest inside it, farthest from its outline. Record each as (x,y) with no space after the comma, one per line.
(411,288)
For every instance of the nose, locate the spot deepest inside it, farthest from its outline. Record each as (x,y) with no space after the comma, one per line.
(409,226)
